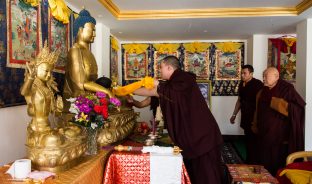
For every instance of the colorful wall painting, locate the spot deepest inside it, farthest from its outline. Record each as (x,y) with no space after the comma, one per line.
(197,63)
(136,66)
(228,65)
(23,33)
(59,40)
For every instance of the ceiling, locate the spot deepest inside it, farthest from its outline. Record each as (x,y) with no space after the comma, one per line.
(150,20)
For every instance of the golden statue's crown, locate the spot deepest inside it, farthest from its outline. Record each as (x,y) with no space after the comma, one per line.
(45,56)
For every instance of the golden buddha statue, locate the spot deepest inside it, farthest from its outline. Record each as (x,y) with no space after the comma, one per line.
(48,147)
(81,74)
(81,69)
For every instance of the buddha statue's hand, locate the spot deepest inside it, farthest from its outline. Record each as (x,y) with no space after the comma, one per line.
(59,104)
(30,71)
(110,94)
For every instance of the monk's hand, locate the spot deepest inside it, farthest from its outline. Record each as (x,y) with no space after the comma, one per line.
(254,128)
(280,105)
(129,98)
(232,119)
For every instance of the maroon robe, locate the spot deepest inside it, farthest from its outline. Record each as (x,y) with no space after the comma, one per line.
(191,126)
(247,95)
(279,135)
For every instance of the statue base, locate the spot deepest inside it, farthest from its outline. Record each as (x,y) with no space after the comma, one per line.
(56,159)
(55,150)
(119,126)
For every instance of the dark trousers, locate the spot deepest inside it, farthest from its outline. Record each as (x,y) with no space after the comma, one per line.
(205,169)
(251,147)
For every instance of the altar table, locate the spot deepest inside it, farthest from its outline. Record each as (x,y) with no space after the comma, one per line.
(132,167)
(90,171)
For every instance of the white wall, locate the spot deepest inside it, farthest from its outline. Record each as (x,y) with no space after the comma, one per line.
(13,122)
(304,74)
(101,49)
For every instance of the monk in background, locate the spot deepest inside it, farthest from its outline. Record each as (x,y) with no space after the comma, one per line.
(279,121)
(246,103)
(190,124)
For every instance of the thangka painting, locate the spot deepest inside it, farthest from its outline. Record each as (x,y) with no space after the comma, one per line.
(228,65)
(59,40)
(23,33)
(114,64)
(288,67)
(135,66)
(158,56)
(205,89)
(197,63)
(282,55)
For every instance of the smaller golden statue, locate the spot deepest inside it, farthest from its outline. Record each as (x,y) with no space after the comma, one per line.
(49,148)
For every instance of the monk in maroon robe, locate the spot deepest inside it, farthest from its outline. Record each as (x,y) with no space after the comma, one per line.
(279,121)
(190,124)
(246,103)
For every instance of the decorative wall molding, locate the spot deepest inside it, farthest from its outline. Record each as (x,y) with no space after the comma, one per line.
(205,13)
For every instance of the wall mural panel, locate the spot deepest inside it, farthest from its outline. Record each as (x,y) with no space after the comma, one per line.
(197,63)
(23,33)
(113,64)
(136,66)
(282,55)
(23,28)
(59,39)
(204,63)
(228,65)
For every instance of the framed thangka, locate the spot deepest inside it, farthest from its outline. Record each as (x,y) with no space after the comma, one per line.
(23,33)
(114,64)
(288,67)
(228,65)
(59,40)
(158,56)
(114,47)
(205,89)
(197,63)
(135,66)
(282,55)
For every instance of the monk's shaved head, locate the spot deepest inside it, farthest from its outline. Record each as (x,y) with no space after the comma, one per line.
(270,77)
(272,70)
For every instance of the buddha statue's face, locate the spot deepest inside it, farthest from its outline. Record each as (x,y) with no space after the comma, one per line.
(44,71)
(87,33)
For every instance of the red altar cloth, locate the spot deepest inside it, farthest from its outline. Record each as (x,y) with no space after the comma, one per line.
(132,167)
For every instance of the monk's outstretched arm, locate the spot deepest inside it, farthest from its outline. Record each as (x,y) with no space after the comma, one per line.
(147,92)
